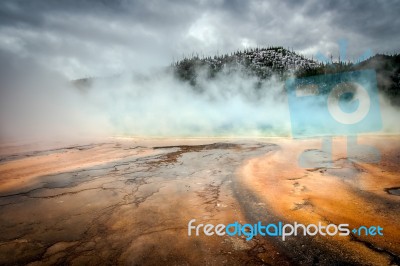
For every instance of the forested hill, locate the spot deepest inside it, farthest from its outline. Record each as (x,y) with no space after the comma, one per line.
(265,62)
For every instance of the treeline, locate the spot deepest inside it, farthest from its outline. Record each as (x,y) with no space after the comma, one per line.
(261,62)
(281,62)
(387,68)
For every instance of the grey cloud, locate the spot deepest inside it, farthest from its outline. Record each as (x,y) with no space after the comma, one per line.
(96,38)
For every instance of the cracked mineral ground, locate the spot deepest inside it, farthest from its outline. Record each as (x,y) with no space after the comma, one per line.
(129,201)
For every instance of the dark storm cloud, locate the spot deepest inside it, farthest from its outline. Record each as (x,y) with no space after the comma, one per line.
(92,38)
(371,24)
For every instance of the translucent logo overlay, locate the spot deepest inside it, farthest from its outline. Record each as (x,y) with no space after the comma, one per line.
(337,104)
(341,104)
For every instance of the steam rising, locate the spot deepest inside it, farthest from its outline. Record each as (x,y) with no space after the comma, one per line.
(36,104)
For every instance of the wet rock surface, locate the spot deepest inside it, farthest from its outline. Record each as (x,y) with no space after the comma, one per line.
(132,210)
(345,191)
(393,191)
(129,202)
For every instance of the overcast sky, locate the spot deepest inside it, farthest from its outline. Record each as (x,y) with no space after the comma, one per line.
(100,38)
